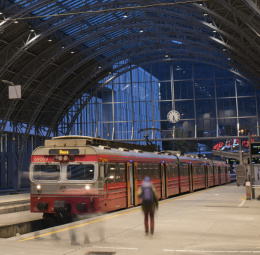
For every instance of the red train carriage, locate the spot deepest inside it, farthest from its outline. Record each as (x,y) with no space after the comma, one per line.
(68,176)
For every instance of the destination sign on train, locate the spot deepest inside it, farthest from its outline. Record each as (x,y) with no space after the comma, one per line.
(255,148)
(63,152)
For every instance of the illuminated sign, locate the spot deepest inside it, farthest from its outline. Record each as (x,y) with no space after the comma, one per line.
(231,143)
(63,152)
(255,148)
(232,161)
(254,160)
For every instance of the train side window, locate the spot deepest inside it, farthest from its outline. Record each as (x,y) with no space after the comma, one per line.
(145,170)
(175,170)
(111,172)
(184,169)
(170,170)
(157,171)
(210,167)
(121,173)
(151,171)
(139,172)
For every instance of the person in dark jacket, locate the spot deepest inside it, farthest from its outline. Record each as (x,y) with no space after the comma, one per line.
(149,203)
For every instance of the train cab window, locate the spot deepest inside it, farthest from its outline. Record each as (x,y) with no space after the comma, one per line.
(80,172)
(46,172)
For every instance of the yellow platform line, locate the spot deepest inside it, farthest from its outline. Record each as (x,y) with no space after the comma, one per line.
(109,217)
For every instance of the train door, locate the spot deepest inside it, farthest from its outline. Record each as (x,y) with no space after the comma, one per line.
(191,176)
(179,176)
(219,175)
(164,179)
(130,185)
(206,175)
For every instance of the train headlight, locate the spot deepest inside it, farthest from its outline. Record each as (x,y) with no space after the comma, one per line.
(65,158)
(87,187)
(39,188)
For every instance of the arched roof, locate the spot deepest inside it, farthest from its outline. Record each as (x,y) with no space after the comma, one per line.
(58,50)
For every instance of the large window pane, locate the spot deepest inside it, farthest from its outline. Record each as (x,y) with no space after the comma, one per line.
(185,108)
(205,109)
(165,91)
(204,88)
(206,127)
(203,71)
(183,89)
(246,106)
(225,87)
(248,125)
(227,127)
(227,108)
(244,88)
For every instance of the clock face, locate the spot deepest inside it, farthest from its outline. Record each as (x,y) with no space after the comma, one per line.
(173,116)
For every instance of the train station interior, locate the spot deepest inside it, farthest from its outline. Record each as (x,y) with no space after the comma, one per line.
(182,75)
(179,76)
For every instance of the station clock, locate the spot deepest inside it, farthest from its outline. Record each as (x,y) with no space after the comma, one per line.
(173,116)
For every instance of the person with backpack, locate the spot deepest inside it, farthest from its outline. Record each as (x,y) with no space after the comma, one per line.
(149,203)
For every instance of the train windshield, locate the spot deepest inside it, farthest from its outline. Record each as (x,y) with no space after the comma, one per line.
(80,172)
(46,172)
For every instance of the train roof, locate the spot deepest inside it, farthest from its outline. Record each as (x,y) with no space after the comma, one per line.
(99,146)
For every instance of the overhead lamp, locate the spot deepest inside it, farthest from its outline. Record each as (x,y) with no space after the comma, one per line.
(214,31)
(15,21)
(99,67)
(166,55)
(62,47)
(141,30)
(50,40)
(205,14)
(32,30)
(72,52)
(125,15)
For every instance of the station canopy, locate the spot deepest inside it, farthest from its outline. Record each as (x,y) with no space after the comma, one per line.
(58,50)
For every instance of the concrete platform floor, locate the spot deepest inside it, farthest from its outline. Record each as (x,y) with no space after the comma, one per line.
(213,221)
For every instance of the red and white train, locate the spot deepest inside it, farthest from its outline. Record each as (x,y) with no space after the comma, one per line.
(70,176)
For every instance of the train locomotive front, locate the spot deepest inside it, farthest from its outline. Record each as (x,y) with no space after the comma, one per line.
(64,180)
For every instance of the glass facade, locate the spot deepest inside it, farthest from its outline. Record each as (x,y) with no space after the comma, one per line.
(212,102)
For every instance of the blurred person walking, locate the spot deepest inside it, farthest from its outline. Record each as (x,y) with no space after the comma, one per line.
(149,203)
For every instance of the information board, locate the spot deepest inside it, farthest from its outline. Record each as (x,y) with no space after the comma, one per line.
(255,148)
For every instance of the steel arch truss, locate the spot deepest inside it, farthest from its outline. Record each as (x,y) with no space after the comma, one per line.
(57,57)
